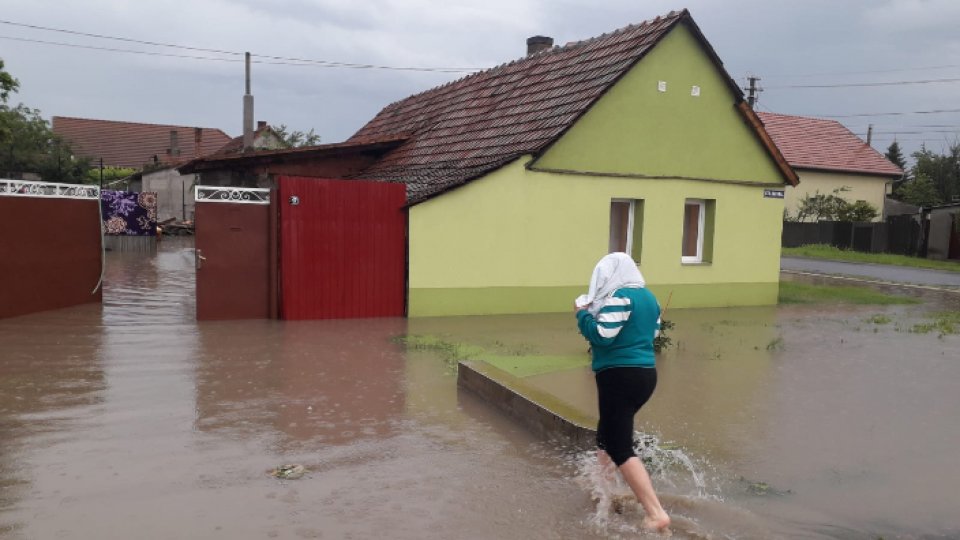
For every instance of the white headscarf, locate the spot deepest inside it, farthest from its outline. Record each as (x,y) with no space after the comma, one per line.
(614,271)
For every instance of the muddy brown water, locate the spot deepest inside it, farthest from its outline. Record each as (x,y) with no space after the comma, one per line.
(131,420)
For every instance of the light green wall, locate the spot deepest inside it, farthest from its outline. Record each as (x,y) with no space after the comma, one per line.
(862,187)
(635,128)
(518,240)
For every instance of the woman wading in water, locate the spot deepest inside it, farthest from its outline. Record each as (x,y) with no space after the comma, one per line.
(620,318)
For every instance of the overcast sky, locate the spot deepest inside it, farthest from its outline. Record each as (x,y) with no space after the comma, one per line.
(786,43)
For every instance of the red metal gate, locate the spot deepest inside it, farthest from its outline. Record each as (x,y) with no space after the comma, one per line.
(233,253)
(342,248)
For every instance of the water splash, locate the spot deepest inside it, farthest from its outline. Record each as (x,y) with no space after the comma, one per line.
(617,513)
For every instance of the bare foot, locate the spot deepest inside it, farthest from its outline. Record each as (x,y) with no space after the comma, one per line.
(659,524)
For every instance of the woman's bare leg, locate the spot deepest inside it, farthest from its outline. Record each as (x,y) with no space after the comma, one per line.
(638,479)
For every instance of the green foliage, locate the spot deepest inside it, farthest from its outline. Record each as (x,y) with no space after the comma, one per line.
(662,341)
(895,155)
(295,139)
(833,207)
(880,318)
(920,191)
(858,211)
(8,84)
(110,174)
(943,170)
(28,144)
(821,207)
(944,324)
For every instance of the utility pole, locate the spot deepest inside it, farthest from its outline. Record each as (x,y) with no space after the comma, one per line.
(247,111)
(754,91)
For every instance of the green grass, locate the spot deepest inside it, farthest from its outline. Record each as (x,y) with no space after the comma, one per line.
(944,324)
(526,366)
(800,293)
(822,251)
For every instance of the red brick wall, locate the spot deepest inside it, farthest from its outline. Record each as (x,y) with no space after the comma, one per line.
(49,253)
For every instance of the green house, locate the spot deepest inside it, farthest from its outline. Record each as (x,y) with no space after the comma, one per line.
(521,177)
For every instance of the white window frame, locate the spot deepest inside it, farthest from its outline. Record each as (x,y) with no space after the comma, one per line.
(702,204)
(631,208)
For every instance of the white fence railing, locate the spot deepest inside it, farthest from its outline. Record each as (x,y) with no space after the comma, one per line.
(24,188)
(232,195)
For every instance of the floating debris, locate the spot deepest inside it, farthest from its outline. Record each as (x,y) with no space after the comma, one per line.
(288,472)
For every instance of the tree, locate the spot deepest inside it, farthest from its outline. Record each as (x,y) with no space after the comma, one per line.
(858,211)
(8,84)
(294,139)
(27,144)
(943,170)
(833,207)
(822,207)
(920,191)
(895,155)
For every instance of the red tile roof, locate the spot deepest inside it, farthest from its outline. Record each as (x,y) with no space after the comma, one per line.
(813,143)
(464,129)
(132,144)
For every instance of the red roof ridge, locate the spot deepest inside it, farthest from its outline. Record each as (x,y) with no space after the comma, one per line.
(552,50)
(137,123)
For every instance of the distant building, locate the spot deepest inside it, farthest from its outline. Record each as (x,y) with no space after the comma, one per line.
(135,144)
(827,156)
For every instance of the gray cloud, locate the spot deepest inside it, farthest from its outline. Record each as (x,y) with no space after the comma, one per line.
(785,43)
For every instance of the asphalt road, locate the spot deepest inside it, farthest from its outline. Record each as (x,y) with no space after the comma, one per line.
(880,272)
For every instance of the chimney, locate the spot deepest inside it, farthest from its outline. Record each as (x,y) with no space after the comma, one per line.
(247,112)
(197,140)
(537,44)
(869,134)
(261,124)
(174,149)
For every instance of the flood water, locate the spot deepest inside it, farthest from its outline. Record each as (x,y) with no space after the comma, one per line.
(132,420)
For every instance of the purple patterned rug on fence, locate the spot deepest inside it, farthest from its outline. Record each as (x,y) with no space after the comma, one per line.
(129,213)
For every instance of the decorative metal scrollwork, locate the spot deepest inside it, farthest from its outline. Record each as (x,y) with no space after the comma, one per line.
(232,195)
(24,188)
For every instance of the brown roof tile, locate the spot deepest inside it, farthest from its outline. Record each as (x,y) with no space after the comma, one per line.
(132,144)
(813,143)
(466,128)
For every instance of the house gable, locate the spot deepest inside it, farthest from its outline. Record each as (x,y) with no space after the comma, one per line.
(635,129)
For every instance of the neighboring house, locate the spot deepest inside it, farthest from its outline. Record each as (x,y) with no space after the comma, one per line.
(827,156)
(156,148)
(174,190)
(135,144)
(521,177)
(264,138)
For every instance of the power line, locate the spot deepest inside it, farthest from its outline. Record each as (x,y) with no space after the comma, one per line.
(872,71)
(116,38)
(111,49)
(278,60)
(934,111)
(864,84)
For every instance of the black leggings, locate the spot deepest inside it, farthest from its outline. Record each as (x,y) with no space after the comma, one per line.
(621,392)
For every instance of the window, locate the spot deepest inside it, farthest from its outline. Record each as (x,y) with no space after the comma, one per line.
(698,217)
(626,227)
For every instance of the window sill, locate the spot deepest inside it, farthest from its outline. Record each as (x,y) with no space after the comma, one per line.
(696,263)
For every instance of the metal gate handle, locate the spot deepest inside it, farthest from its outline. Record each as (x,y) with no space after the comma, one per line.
(200,258)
